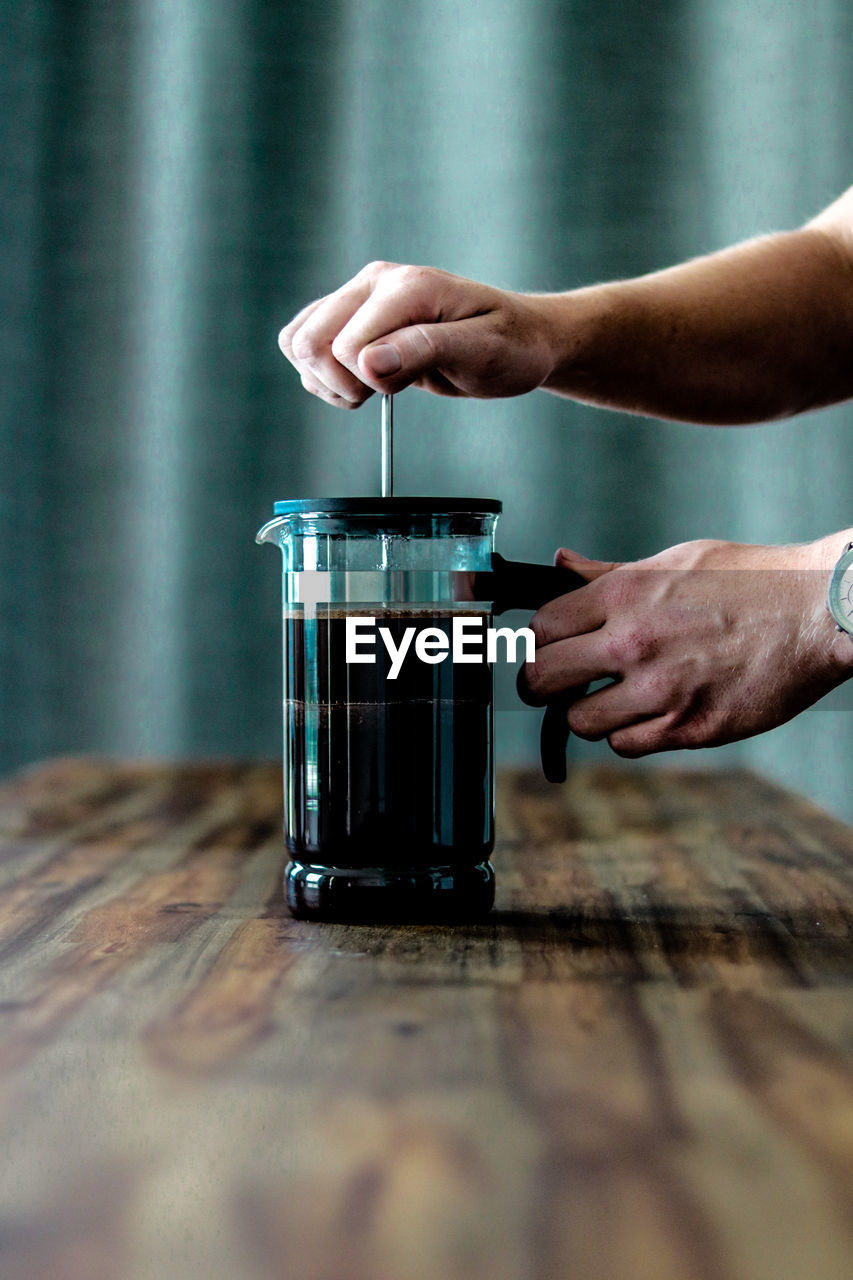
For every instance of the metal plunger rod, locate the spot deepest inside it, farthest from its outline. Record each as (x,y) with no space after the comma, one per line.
(387,446)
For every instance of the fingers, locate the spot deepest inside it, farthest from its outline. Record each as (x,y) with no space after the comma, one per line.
(566,664)
(415,322)
(401,297)
(655,734)
(310,383)
(391,326)
(617,706)
(569,649)
(574,614)
(581,639)
(327,337)
(634,722)
(307,343)
(432,352)
(285,338)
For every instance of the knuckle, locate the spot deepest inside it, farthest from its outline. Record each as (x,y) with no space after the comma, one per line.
(343,350)
(616,590)
(358,397)
(407,276)
(697,552)
(638,741)
(304,346)
(673,736)
(581,722)
(532,677)
(627,750)
(699,729)
(423,340)
(576,717)
(656,687)
(377,268)
(542,632)
(630,648)
(686,704)
(531,684)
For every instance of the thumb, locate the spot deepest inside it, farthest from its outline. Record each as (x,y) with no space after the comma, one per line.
(588,569)
(459,353)
(404,356)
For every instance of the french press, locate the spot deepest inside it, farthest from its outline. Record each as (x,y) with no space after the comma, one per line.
(389,775)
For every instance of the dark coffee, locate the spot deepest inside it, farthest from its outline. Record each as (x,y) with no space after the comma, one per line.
(388,783)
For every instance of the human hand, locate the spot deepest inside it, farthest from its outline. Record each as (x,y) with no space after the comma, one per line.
(706,643)
(393,326)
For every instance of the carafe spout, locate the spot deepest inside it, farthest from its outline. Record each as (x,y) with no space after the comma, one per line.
(270,531)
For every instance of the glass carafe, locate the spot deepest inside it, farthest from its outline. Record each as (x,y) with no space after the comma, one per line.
(388,765)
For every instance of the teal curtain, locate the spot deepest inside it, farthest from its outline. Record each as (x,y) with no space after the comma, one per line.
(179,178)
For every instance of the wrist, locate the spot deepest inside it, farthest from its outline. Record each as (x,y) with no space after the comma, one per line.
(576,326)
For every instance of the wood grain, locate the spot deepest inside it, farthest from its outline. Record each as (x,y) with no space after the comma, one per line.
(638,1066)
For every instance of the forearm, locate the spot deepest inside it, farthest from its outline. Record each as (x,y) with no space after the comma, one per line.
(760,331)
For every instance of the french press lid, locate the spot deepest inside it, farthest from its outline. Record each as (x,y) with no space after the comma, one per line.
(391,506)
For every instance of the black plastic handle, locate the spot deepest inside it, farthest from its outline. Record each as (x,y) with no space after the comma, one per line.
(513,584)
(554,738)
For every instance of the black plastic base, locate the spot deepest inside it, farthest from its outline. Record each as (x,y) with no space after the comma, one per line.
(378,894)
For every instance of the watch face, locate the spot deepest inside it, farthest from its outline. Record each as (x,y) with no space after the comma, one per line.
(841,591)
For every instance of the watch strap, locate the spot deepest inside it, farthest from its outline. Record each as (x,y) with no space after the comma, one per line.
(838,625)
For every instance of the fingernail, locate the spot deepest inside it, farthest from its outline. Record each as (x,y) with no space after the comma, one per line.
(384,360)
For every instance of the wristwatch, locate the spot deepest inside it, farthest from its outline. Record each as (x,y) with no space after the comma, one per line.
(839,600)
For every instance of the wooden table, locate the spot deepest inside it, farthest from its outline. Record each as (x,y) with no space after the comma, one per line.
(639,1066)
